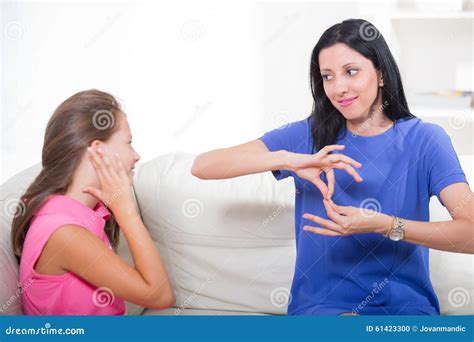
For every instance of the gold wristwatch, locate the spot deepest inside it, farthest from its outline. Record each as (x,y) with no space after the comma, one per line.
(397,231)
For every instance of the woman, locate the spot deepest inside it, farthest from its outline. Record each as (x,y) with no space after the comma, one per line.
(63,234)
(368,252)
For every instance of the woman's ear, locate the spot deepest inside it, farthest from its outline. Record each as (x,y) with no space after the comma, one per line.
(380,77)
(96,144)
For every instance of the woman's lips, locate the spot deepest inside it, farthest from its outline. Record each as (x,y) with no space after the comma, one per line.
(347,102)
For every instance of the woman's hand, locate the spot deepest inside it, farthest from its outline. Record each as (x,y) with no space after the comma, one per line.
(310,167)
(115,185)
(348,220)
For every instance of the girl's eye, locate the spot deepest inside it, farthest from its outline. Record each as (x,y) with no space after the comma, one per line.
(352,72)
(326,77)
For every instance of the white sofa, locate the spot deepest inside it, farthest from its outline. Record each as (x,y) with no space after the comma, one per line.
(228,244)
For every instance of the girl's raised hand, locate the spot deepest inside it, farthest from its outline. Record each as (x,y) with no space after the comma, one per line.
(115,186)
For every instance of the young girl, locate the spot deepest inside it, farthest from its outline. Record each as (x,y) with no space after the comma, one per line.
(369,254)
(66,237)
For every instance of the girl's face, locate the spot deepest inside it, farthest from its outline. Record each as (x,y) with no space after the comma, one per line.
(350,81)
(121,143)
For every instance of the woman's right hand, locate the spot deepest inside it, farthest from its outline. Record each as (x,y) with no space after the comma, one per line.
(310,167)
(115,187)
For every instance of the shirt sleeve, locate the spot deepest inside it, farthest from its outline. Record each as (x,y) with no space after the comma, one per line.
(444,167)
(291,137)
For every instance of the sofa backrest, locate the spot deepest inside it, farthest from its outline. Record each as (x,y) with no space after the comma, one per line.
(228,244)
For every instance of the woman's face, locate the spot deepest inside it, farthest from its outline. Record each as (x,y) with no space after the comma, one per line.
(121,143)
(350,81)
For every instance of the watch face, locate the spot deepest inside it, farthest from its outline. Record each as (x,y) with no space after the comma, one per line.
(396,235)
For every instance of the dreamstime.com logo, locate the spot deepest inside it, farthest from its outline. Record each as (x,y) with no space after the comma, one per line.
(16,297)
(370,207)
(103,119)
(14,207)
(368,32)
(376,288)
(192,208)
(46,330)
(102,297)
(459,296)
(280,297)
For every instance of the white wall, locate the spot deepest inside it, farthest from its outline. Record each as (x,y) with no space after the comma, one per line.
(192,75)
(186,72)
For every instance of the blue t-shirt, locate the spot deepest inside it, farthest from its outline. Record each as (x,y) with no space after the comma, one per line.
(368,273)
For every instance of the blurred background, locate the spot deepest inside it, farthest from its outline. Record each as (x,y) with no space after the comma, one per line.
(198,75)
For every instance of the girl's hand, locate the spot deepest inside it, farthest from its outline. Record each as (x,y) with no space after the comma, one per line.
(348,220)
(115,185)
(311,166)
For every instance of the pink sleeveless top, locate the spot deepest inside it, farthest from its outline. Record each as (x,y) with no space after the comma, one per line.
(65,294)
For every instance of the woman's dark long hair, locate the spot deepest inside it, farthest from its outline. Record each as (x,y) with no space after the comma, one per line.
(363,37)
(78,121)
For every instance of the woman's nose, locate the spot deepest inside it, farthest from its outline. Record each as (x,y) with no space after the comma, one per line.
(341,86)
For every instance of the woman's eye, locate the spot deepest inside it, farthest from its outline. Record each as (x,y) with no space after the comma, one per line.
(326,77)
(352,72)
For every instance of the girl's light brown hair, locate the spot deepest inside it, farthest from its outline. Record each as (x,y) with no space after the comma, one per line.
(78,121)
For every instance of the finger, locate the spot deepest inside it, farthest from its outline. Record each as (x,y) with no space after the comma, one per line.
(331,182)
(93,157)
(329,148)
(120,166)
(321,231)
(113,161)
(104,159)
(321,186)
(338,157)
(336,217)
(107,162)
(96,164)
(323,222)
(339,208)
(349,169)
(93,191)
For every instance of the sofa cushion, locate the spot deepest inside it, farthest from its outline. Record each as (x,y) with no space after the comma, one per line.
(10,193)
(196,312)
(228,244)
